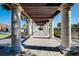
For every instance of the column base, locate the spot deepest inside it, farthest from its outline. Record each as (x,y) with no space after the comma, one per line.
(67,49)
(22,48)
(64,48)
(16,51)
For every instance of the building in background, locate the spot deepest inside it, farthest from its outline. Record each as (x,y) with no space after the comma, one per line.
(4,27)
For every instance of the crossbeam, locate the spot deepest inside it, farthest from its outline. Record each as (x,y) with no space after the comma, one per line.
(40,7)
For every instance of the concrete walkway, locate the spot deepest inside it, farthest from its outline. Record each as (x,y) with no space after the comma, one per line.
(41,34)
(43,47)
(38,46)
(42,42)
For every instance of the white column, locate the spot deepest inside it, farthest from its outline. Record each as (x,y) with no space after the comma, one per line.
(66,27)
(34,27)
(78,30)
(51,28)
(46,28)
(30,27)
(16,33)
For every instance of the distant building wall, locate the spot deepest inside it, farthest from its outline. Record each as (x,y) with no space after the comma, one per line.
(3,27)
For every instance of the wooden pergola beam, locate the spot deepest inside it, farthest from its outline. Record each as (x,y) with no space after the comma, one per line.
(34,7)
(10,6)
(25,14)
(41,20)
(40,7)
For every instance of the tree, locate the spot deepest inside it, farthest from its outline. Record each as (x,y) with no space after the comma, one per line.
(74,27)
(25,26)
(59,25)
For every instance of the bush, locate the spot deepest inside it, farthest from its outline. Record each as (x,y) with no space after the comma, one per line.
(57,32)
(23,34)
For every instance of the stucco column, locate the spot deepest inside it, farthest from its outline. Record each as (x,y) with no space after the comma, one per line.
(16,33)
(46,28)
(66,26)
(78,30)
(34,28)
(30,27)
(52,28)
(51,24)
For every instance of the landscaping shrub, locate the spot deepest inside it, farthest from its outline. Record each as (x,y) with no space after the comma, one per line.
(57,32)
(23,34)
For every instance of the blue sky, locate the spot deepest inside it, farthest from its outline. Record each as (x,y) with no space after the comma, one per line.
(5,16)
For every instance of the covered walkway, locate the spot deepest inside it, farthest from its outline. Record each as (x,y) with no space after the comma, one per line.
(40,17)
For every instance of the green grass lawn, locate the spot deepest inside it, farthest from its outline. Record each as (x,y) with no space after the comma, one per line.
(2,36)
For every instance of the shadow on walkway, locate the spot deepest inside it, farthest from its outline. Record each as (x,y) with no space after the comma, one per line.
(74,51)
(44,48)
(24,39)
(5,51)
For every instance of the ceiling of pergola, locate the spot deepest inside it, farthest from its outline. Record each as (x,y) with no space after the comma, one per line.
(41,12)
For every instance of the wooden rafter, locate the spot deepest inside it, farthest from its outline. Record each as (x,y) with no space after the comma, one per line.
(39,12)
